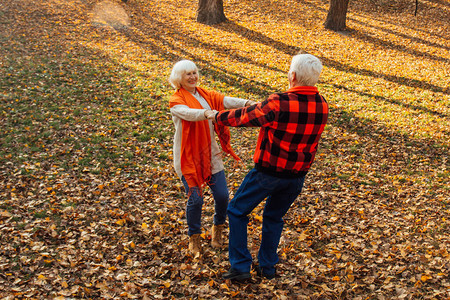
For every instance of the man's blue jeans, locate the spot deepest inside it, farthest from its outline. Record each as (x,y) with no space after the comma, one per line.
(218,185)
(256,187)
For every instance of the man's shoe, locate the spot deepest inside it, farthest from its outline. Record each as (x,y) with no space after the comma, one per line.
(233,274)
(260,272)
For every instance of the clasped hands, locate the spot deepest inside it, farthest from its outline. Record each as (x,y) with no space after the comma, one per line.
(211,114)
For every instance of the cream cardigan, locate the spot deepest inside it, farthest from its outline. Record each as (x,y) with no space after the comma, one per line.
(183,112)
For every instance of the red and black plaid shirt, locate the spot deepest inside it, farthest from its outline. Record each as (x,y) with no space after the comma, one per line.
(291,125)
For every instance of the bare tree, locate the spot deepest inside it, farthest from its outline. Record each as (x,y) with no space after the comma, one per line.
(210,12)
(337,15)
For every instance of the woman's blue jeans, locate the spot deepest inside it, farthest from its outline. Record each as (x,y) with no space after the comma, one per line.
(279,193)
(218,185)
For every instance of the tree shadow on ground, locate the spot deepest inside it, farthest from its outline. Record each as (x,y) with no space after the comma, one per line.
(150,27)
(254,36)
(395,102)
(292,50)
(408,37)
(172,52)
(364,12)
(367,37)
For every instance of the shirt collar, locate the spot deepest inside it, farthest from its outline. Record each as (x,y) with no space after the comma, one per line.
(306,90)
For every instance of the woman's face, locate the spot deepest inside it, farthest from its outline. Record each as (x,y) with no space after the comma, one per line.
(189,80)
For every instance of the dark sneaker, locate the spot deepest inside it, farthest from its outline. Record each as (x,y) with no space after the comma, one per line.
(260,272)
(233,274)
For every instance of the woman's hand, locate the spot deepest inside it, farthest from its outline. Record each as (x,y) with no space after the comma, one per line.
(250,103)
(210,114)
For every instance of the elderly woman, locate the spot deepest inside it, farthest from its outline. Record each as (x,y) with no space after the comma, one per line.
(197,157)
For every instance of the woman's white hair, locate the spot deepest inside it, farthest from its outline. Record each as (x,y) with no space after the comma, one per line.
(180,68)
(307,69)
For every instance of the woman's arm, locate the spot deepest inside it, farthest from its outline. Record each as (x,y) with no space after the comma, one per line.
(186,113)
(231,102)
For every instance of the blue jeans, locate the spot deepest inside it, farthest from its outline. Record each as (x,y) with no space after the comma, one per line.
(218,185)
(256,187)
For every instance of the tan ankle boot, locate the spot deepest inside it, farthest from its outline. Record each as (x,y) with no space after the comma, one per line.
(217,236)
(195,246)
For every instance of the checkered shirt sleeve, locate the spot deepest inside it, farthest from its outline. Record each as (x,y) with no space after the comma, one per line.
(291,126)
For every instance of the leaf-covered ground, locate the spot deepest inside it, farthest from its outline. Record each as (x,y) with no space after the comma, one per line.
(90,206)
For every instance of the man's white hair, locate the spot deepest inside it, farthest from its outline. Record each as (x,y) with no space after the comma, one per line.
(307,69)
(180,68)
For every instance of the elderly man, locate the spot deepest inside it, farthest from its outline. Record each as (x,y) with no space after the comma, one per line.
(291,125)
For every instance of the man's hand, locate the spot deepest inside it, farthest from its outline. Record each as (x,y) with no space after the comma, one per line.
(211,114)
(250,103)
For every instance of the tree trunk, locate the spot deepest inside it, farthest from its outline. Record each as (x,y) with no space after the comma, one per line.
(210,12)
(337,15)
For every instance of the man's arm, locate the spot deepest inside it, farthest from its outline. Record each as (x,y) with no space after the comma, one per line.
(252,116)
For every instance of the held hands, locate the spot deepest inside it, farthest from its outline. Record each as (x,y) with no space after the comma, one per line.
(210,114)
(250,103)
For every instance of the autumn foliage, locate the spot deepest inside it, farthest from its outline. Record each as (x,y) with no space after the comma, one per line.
(90,206)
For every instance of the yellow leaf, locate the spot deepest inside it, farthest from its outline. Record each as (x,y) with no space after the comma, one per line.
(167,284)
(350,278)
(144,226)
(425,277)
(184,282)
(64,284)
(336,278)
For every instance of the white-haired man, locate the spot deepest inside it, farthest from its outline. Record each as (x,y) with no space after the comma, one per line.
(291,125)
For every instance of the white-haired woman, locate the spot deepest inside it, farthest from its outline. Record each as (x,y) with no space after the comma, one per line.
(196,154)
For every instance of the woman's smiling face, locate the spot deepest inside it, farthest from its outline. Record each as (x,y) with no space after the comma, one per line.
(189,80)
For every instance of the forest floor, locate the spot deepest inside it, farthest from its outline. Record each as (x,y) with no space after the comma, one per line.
(90,206)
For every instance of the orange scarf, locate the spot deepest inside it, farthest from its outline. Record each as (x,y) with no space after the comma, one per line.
(196,137)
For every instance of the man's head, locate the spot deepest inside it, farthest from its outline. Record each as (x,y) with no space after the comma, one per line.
(305,70)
